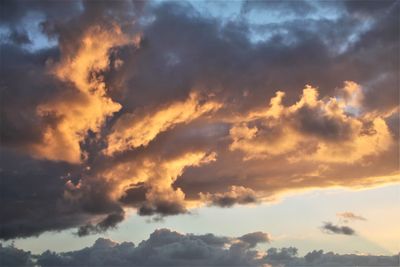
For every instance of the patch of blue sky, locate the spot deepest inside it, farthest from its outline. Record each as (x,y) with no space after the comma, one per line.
(30,25)
(39,40)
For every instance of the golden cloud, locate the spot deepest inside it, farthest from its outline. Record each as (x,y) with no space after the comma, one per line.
(133,130)
(89,106)
(156,174)
(322,130)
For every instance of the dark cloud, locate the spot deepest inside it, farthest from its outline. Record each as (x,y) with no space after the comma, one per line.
(27,203)
(313,122)
(110,221)
(12,256)
(13,12)
(168,248)
(21,126)
(164,208)
(313,255)
(19,37)
(282,255)
(237,195)
(163,248)
(254,238)
(32,190)
(337,229)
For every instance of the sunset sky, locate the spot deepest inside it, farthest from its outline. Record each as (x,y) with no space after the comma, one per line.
(242,133)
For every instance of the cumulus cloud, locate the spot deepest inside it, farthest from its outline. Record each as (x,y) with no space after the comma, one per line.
(156,107)
(325,127)
(169,248)
(337,229)
(163,248)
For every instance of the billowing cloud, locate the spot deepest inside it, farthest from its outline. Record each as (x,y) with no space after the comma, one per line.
(159,109)
(169,248)
(164,248)
(325,130)
(86,108)
(337,229)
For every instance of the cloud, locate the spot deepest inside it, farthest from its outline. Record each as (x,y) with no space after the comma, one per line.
(331,133)
(88,106)
(160,109)
(350,216)
(110,221)
(337,229)
(282,255)
(254,238)
(237,195)
(11,256)
(156,179)
(165,247)
(135,130)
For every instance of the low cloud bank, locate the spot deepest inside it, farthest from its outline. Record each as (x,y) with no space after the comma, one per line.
(169,248)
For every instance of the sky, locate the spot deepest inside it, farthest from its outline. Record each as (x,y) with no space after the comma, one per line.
(211,133)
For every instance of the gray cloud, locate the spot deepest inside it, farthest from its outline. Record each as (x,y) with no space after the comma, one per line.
(236,195)
(168,248)
(254,238)
(282,255)
(11,256)
(163,248)
(110,221)
(337,229)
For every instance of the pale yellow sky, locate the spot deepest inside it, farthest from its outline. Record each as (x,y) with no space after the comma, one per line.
(293,221)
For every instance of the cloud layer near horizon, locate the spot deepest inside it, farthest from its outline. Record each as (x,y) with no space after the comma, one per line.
(161,109)
(168,248)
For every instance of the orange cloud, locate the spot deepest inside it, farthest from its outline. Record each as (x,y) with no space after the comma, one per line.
(157,175)
(89,106)
(133,130)
(322,130)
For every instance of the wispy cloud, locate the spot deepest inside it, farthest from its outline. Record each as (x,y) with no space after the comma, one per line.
(350,216)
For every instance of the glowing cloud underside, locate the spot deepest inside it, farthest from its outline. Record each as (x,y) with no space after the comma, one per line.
(88,107)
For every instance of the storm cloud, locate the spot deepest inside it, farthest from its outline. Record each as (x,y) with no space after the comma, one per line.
(108,106)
